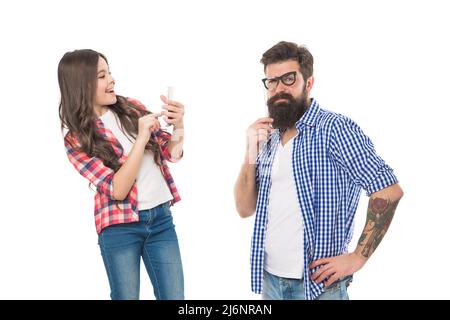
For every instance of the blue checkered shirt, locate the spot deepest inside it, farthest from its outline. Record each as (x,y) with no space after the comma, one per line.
(332,160)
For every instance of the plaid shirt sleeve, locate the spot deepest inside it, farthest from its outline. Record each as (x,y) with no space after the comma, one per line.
(162,138)
(91,168)
(352,150)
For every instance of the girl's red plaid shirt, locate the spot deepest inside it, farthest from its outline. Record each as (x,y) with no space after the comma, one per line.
(109,211)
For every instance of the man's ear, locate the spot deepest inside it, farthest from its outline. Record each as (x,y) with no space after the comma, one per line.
(309,83)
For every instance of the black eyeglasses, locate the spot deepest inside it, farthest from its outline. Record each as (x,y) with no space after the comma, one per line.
(288,79)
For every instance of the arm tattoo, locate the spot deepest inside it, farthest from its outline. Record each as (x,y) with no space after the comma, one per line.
(379,217)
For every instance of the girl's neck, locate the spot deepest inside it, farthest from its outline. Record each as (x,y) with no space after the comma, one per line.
(100,110)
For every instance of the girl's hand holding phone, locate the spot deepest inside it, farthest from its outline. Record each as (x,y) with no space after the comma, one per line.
(173,112)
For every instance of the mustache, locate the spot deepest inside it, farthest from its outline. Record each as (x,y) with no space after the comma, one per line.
(281,95)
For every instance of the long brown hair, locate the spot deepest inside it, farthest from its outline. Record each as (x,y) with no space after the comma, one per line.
(77,77)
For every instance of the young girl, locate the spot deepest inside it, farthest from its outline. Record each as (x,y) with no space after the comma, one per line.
(119,147)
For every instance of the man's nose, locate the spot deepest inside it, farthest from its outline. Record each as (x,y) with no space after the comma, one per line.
(281,87)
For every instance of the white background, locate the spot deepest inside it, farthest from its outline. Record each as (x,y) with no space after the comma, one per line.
(383,63)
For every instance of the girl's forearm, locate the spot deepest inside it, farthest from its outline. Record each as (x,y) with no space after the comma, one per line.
(125,177)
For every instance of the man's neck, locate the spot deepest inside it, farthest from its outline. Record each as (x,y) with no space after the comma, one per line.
(288,134)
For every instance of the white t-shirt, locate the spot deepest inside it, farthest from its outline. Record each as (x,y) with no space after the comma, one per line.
(152,188)
(284,229)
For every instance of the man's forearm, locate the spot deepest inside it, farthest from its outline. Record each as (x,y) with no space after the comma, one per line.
(381,209)
(245,191)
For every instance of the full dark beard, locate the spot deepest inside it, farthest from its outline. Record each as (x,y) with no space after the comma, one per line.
(286,113)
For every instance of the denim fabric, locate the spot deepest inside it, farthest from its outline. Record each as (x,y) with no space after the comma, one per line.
(278,288)
(154,239)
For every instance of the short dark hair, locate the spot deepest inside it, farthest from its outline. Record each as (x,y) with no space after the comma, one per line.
(284,51)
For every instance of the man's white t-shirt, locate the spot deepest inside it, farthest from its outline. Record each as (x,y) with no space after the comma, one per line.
(284,229)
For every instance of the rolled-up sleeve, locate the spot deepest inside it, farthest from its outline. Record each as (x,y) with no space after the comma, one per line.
(162,139)
(92,168)
(353,151)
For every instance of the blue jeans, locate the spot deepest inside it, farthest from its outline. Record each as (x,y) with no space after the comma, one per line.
(154,239)
(278,288)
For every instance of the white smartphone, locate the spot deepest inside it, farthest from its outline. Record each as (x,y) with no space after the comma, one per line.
(170,91)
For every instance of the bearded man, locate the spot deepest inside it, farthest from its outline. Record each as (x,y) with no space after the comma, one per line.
(303,172)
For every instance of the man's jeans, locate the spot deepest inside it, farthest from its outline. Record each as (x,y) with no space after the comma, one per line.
(154,239)
(278,288)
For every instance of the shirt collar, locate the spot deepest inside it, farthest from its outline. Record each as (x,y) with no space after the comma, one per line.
(99,122)
(310,116)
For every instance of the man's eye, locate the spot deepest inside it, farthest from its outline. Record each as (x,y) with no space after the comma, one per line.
(289,78)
